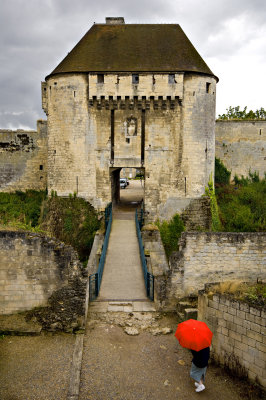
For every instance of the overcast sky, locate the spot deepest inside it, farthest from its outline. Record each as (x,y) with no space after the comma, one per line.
(35,35)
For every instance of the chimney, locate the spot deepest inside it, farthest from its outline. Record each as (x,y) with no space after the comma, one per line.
(114,20)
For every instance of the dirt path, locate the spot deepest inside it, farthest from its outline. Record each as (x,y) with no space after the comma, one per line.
(117,366)
(35,368)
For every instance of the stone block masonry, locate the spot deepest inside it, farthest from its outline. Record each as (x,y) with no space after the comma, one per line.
(239,334)
(23,159)
(241,145)
(215,257)
(38,271)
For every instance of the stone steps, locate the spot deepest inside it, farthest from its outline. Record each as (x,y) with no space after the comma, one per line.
(122,306)
(187,310)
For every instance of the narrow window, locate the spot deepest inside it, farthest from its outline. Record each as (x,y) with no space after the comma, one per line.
(135,79)
(171,78)
(208,85)
(41,167)
(128,140)
(100,78)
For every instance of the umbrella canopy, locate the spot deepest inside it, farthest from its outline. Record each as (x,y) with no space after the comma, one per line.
(193,334)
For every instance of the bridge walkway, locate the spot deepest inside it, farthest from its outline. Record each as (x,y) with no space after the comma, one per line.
(122,286)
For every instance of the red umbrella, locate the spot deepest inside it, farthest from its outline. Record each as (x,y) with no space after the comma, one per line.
(194,335)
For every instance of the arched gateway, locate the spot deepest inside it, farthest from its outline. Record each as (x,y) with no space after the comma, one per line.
(131,96)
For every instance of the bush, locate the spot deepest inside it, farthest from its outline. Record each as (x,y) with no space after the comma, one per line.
(210,192)
(170,233)
(23,208)
(243,206)
(222,175)
(72,220)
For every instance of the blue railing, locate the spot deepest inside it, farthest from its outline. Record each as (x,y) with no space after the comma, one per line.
(148,277)
(96,279)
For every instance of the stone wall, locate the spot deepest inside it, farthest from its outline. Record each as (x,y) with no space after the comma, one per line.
(165,128)
(215,257)
(23,159)
(38,271)
(241,145)
(239,334)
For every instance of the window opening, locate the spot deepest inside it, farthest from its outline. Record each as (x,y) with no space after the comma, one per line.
(100,78)
(128,140)
(171,78)
(135,79)
(41,167)
(208,85)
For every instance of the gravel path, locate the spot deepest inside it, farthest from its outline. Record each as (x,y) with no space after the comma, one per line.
(117,366)
(35,368)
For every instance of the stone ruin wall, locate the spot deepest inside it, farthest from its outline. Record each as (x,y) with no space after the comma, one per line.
(241,145)
(38,271)
(239,334)
(23,159)
(215,257)
(203,257)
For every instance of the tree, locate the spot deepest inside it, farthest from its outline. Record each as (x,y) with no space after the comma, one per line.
(236,113)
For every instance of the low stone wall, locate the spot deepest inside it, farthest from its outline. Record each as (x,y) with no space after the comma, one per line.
(37,271)
(215,257)
(23,159)
(239,334)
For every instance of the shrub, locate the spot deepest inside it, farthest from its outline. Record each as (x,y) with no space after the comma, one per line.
(170,233)
(222,175)
(243,206)
(210,192)
(72,220)
(22,208)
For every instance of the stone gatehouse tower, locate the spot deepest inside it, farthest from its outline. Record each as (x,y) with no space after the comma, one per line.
(131,95)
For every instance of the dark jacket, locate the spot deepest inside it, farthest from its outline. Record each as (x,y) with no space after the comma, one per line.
(201,358)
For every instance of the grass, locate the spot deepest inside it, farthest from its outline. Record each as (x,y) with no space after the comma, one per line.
(72,220)
(253,294)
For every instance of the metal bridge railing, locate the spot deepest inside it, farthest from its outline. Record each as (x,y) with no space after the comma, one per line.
(96,279)
(148,277)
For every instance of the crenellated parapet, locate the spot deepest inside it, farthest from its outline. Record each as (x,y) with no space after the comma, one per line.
(136,86)
(136,103)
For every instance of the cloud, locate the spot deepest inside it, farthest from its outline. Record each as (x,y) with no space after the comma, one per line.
(35,35)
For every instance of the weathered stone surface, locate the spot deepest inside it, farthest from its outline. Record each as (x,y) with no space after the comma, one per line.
(43,275)
(131,331)
(241,145)
(215,257)
(235,344)
(23,159)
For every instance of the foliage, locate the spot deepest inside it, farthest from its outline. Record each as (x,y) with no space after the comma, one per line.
(222,175)
(252,293)
(170,233)
(255,295)
(236,113)
(72,220)
(210,192)
(243,206)
(21,209)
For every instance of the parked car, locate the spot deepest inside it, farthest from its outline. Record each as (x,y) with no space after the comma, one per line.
(123,183)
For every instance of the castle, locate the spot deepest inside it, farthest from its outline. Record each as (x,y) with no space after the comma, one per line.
(129,96)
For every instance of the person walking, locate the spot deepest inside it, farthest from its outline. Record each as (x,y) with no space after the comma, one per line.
(199,367)
(196,336)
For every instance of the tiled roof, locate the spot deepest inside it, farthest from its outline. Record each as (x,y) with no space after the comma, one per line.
(134,48)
